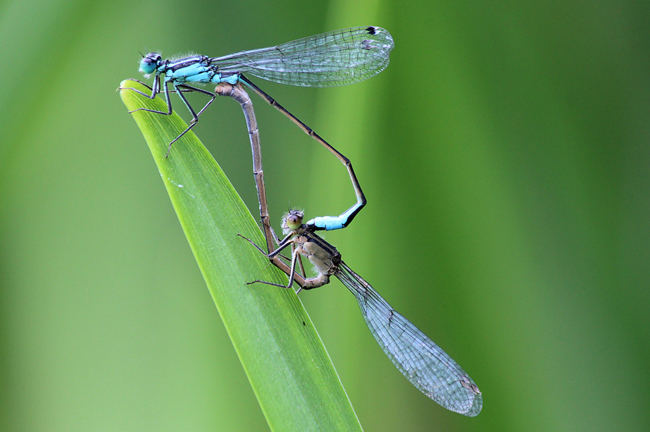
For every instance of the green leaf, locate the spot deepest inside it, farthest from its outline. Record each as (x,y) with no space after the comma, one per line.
(285,361)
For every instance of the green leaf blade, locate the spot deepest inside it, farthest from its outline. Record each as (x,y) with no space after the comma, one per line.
(284,359)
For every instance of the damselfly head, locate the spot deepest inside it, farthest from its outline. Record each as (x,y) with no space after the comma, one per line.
(292,221)
(150,63)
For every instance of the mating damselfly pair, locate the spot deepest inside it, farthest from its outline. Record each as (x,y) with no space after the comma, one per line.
(330,59)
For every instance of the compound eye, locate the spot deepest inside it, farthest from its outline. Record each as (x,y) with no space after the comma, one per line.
(294,219)
(150,63)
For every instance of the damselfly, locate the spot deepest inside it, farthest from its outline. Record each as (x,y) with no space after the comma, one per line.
(419,359)
(330,59)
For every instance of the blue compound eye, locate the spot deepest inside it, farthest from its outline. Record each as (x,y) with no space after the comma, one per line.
(149,63)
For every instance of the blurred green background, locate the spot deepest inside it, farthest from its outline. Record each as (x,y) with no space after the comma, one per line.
(505,156)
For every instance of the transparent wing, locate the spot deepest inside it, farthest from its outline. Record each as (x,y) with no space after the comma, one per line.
(419,359)
(331,59)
